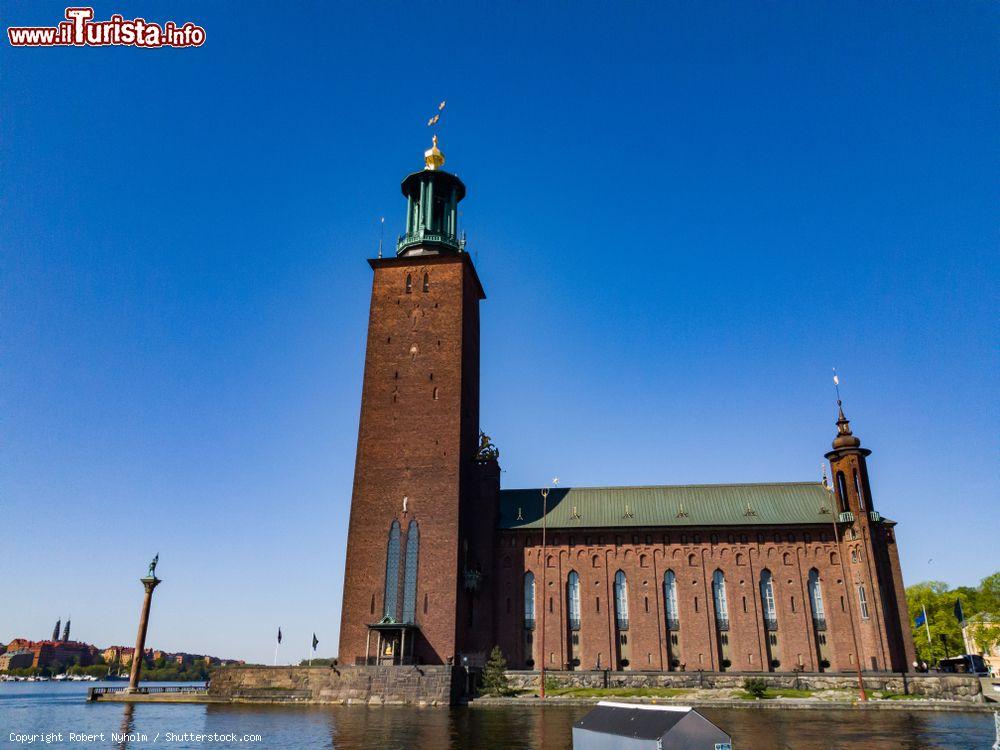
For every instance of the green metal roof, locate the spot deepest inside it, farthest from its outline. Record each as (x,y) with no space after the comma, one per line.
(678,505)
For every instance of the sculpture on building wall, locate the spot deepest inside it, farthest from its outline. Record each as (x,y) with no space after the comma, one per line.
(487,451)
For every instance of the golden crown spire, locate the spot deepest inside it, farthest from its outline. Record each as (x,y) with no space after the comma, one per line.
(433,158)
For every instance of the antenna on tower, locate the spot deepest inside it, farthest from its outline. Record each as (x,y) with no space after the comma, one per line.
(381,235)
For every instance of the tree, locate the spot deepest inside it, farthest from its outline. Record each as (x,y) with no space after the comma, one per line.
(939,602)
(495,674)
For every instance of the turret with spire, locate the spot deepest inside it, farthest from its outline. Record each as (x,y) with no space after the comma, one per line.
(55,630)
(65,635)
(432,198)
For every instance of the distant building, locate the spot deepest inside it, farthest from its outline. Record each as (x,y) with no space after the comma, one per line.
(976,632)
(16,660)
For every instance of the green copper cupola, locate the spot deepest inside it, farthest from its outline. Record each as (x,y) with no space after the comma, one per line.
(432,197)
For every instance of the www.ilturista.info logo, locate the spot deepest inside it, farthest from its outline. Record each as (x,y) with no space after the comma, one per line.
(80,30)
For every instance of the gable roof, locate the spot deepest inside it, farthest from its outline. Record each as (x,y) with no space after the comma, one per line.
(638,721)
(669,505)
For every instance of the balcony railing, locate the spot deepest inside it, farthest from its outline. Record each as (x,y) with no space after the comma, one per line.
(529,623)
(722,623)
(875,516)
(622,623)
(771,623)
(407,240)
(846,517)
(673,623)
(819,623)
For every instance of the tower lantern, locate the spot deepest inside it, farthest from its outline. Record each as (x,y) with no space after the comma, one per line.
(432,197)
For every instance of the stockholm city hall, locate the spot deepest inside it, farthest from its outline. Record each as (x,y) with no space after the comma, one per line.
(442,564)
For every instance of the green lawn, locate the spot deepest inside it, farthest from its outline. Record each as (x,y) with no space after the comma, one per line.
(901,697)
(650,692)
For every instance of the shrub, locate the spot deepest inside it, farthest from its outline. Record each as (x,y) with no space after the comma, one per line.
(756,686)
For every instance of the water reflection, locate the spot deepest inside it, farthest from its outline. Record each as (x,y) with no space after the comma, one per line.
(550,728)
(127,725)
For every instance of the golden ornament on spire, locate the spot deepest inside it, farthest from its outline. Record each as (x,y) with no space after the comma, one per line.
(433,158)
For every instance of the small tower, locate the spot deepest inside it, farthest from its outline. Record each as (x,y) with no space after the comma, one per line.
(432,198)
(55,630)
(871,558)
(65,636)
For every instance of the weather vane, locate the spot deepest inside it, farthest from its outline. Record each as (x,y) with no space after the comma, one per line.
(437,117)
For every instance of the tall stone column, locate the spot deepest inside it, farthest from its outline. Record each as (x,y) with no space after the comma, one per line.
(149,583)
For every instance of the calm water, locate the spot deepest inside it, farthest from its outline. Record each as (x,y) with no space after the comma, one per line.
(37,708)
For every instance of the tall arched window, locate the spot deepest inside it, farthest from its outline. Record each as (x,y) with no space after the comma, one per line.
(857,488)
(670,600)
(529,601)
(409,283)
(719,595)
(573,599)
(767,599)
(816,600)
(621,600)
(427,283)
(391,598)
(842,491)
(410,572)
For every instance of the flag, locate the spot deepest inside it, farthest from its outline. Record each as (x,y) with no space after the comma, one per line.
(279,635)
(959,615)
(441,105)
(836,380)
(921,619)
(315,641)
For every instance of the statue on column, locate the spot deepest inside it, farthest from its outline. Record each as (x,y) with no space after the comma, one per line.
(152,566)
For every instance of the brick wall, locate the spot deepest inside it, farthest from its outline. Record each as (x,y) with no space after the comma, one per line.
(417,439)
(788,553)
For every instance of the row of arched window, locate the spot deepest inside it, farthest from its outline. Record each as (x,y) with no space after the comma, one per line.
(393,553)
(767,597)
(409,283)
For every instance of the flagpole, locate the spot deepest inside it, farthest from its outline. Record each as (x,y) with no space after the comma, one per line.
(276,653)
(927,625)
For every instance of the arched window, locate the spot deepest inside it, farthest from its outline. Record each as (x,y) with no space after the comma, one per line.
(573,599)
(842,491)
(410,572)
(427,283)
(409,283)
(670,600)
(767,599)
(816,600)
(529,601)
(863,601)
(692,560)
(719,595)
(391,597)
(621,600)
(857,488)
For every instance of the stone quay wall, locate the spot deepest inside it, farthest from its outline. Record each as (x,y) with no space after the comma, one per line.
(362,685)
(941,686)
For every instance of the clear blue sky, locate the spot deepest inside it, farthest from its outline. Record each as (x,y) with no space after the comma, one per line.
(683,214)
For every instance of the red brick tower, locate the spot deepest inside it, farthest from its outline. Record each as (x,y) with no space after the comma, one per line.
(881,617)
(424,504)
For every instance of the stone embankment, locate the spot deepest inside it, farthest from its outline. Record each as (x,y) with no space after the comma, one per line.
(409,685)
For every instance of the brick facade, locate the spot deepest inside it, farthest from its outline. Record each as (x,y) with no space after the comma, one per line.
(418,440)
(645,556)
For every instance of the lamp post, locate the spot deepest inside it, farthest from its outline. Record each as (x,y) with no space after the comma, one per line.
(545,513)
(545,498)
(843,572)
